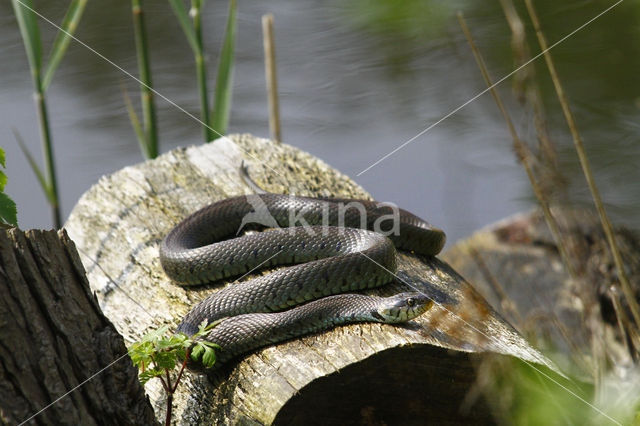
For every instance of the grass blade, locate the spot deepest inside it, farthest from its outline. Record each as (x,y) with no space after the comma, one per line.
(135,123)
(28,24)
(63,38)
(224,81)
(46,188)
(185,22)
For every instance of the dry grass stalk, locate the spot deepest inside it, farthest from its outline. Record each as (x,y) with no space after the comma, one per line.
(272,78)
(524,155)
(586,167)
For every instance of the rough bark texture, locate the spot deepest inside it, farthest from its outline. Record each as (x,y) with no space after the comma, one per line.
(54,338)
(354,374)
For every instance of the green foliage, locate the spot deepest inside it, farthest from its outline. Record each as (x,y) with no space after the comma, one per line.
(27,19)
(63,38)
(8,213)
(214,124)
(143,141)
(520,393)
(224,83)
(147,137)
(183,18)
(158,353)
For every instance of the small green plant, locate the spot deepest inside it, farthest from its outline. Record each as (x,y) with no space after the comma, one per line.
(158,354)
(8,214)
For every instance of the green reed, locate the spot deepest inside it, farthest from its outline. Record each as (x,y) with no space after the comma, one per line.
(148,135)
(42,75)
(214,123)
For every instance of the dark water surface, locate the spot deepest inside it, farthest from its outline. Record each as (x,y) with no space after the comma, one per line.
(357,79)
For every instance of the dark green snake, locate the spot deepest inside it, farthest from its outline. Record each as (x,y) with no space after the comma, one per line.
(329,259)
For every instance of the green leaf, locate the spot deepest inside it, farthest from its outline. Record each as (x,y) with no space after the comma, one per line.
(2,157)
(167,343)
(209,358)
(197,352)
(147,375)
(202,327)
(185,22)
(27,21)
(224,81)
(210,345)
(166,360)
(180,353)
(46,188)
(63,38)
(8,211)
(3,181)
(135,123)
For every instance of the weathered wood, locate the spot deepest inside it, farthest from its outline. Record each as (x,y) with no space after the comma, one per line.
(120,221)
(54,339)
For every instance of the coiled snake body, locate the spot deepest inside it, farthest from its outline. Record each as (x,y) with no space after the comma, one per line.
(330,259)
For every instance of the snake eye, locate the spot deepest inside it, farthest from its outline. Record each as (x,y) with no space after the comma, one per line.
(411,302)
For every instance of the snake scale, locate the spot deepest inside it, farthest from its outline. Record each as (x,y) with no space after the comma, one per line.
(330,253)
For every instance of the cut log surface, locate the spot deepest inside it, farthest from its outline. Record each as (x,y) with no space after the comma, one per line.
(62,362)
(366,373)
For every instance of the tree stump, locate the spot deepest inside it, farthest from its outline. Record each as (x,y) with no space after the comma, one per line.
(366,373)
(61,359)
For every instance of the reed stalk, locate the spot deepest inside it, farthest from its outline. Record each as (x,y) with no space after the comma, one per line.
(47,149)
(149,143)
(26,17)
(224,81)
(201,69)
(586,167)
(271,76)
(523,153)
(214,125)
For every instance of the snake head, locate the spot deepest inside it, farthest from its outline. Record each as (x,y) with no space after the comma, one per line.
(403,307)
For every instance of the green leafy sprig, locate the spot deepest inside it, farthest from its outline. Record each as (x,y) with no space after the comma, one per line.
(158,354)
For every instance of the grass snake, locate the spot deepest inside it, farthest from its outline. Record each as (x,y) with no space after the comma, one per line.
(330,253)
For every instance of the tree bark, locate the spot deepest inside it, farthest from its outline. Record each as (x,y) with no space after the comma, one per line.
(353,374)
(61,360)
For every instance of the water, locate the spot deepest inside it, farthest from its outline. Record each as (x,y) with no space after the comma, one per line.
(357,80)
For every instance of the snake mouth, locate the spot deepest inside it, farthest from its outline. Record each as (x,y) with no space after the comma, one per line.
(402,307)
